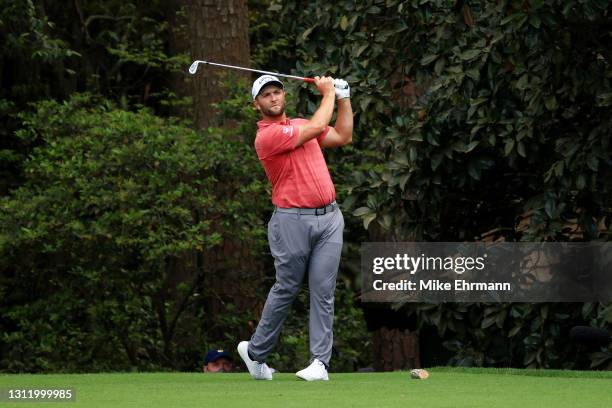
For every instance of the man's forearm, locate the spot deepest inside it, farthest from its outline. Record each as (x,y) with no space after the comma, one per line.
(344,120)
(316,125)
(321,118)
(323,115)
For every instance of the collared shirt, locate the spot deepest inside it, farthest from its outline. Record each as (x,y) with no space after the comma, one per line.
(299,176)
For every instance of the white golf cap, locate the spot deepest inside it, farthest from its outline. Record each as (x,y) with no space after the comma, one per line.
(263,81)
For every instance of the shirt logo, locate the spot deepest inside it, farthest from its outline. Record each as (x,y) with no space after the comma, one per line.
(286,130)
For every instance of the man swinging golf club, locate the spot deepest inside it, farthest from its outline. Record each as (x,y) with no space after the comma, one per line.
(305,231)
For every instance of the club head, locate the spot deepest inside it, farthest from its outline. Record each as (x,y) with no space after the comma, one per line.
(194,67)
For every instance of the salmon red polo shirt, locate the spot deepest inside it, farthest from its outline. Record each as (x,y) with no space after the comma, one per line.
(299,175)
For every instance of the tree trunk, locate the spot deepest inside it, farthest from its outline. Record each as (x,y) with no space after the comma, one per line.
(216,31)
(395,340)
(395,349)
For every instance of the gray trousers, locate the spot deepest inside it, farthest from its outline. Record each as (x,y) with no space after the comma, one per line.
(301,244)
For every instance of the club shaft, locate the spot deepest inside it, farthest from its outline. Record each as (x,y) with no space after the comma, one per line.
(193,69)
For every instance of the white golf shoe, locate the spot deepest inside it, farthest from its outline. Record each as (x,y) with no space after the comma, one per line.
(316,371)
(259,371)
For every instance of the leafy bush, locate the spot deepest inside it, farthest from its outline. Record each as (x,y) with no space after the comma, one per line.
(474,120)
(516,335)
(103,249)
(478,109)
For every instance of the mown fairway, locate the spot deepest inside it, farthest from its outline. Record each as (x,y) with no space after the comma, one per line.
(446,387)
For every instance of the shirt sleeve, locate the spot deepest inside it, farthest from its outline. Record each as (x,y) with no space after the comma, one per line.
(277,139)
(322,135)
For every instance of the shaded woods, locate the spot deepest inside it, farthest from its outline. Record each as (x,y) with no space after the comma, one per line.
(133,211)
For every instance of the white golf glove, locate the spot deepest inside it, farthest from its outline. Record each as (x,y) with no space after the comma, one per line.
(343,90)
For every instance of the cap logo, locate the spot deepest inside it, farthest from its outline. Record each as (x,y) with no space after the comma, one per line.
(261,82)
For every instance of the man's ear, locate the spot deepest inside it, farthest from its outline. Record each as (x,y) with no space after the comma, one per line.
(256,105)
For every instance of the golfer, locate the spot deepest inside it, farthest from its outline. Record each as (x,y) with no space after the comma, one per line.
(305,231)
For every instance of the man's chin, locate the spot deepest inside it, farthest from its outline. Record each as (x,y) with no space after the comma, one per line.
(275,114)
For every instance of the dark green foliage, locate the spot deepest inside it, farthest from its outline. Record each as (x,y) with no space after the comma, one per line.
(117,48)
(93,245)
(474,120)
(516,335)
(90,244)
(479,112)
(50,49)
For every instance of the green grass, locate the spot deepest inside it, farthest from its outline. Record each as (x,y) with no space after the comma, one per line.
(446,387)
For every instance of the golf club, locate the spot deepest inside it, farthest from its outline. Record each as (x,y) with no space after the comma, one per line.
(194,67)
